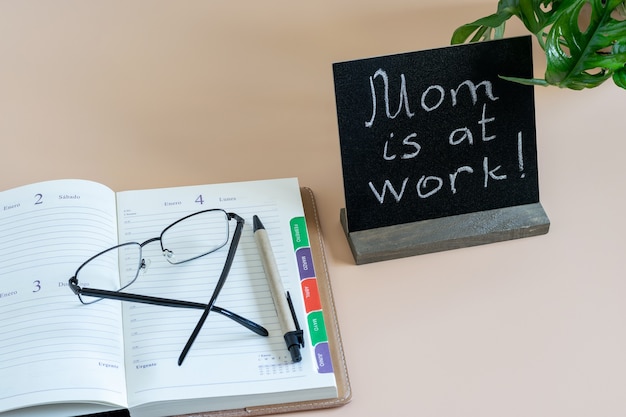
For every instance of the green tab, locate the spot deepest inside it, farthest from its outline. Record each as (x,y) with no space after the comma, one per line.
(317,327)
(299,233)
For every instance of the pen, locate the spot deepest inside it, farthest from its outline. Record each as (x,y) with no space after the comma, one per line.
(282,300)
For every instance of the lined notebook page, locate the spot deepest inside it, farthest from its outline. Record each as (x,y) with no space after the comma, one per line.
(53,348)
(226,359)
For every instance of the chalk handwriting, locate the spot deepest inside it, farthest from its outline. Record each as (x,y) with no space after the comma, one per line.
(520,154)
(388,186)
(410,148)
(407,142)
(430,99)
(429,185)
(404,100)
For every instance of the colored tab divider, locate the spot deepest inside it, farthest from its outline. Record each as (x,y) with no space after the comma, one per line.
(310,292)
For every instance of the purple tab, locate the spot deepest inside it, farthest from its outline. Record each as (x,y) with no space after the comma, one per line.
(324,361)
(305,263)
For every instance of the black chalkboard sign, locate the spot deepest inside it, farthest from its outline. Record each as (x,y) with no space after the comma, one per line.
(436,133)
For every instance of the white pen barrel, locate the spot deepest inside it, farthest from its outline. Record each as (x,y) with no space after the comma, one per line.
(275,282)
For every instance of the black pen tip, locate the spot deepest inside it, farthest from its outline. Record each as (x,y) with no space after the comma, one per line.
(294,340)
(296,356)
(256,223)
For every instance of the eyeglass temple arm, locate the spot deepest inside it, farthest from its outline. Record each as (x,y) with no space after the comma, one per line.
(218,287)
(167,302)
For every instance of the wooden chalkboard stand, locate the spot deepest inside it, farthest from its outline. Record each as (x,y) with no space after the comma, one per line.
(453,232)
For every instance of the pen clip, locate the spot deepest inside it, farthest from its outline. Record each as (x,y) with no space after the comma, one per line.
(299,333)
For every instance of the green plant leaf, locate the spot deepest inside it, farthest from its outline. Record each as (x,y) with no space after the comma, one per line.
(535,14)
(578,55)
(487,28)
(584,58)
(526,81)
(619,76)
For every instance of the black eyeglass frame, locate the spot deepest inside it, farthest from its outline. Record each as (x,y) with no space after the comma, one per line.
(167,302)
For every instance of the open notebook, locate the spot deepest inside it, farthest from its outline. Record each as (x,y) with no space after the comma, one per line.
(74,359)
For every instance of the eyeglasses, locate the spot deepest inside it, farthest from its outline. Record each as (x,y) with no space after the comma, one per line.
(187,239)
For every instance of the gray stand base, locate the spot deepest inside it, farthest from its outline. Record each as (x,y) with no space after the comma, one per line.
(445,233)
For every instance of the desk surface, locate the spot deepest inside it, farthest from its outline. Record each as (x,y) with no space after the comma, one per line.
(159,93)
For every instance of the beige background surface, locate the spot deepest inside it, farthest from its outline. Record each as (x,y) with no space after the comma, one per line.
(140,94)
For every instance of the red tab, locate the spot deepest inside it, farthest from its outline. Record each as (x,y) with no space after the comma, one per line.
(311,294)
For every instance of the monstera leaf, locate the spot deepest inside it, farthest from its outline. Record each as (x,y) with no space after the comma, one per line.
(584,40)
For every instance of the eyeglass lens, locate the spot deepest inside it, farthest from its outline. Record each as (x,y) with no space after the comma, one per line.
(194,236)
(96,273)
(189,238)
